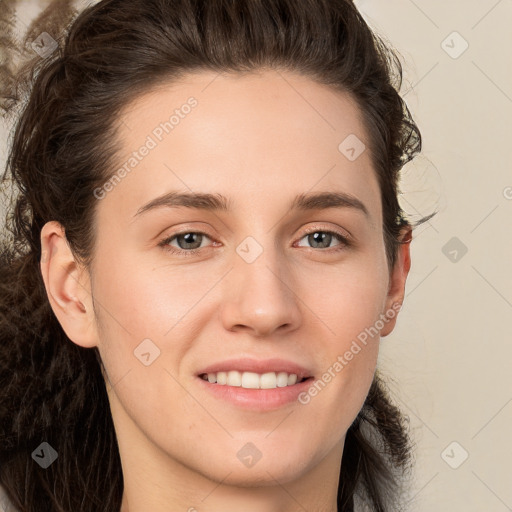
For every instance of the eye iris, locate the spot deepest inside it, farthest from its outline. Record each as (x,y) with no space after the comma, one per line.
(321,235)
(188,242)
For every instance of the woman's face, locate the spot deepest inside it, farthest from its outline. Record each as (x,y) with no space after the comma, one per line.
(186,287)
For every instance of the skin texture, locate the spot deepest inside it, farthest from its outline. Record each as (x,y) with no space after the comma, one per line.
(260,140)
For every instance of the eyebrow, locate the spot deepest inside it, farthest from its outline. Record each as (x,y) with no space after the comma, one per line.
(218,202)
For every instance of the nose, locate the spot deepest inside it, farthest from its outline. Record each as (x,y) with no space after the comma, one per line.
(259,297)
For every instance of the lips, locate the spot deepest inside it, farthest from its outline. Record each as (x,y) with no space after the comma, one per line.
(258,366)
(267,397)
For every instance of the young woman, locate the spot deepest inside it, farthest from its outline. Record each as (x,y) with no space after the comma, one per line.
(207,247)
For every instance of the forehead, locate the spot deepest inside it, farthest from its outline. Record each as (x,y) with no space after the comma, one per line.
(246,136)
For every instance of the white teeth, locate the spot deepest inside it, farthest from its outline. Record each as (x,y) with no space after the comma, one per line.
(251,380)
(282,379)
(292,379)
(268,380)
(234,378)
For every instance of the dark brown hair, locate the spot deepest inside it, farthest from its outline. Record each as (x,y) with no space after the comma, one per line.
(64,146)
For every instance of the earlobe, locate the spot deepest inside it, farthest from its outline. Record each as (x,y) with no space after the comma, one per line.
(67,286)
(396,290)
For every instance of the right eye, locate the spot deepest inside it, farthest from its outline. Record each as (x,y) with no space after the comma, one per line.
(189,237)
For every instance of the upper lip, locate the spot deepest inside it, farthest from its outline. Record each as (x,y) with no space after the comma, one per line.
(258,366)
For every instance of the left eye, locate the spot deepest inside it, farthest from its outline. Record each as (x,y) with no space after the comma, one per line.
(325,236)
(189,242)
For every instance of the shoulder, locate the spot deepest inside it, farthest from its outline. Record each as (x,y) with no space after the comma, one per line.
(5,503)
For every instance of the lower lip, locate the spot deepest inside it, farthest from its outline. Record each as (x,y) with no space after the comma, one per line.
(257,399)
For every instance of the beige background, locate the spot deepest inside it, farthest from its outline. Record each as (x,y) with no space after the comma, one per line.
(450,355)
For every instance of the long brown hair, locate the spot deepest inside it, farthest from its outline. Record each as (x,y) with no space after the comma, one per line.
(64,146)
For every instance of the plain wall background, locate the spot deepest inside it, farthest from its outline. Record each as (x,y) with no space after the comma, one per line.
(450,355)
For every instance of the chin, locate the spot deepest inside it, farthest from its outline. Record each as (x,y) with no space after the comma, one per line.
(249,466)
(262,474)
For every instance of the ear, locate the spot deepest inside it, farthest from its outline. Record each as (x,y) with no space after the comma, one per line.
(396,289)
(67,286)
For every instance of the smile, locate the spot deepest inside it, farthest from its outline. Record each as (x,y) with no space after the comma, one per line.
(251,380)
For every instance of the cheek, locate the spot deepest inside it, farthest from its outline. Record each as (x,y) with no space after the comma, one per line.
(146,309)
(350,298)
(139,300)
(129,311)
(349,305)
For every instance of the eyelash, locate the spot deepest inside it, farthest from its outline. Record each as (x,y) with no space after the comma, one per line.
(345,242)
